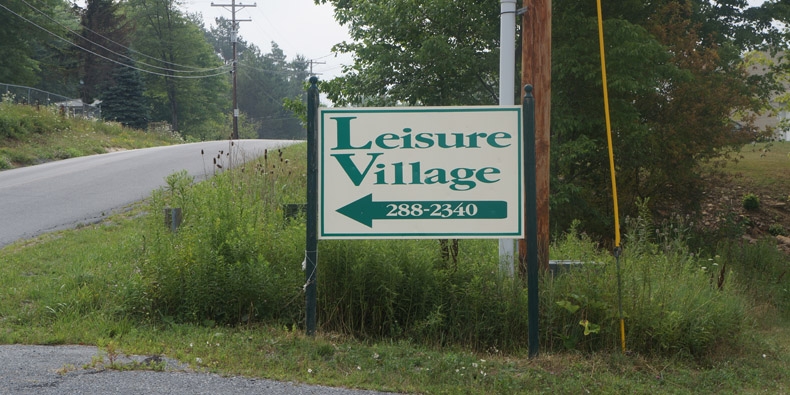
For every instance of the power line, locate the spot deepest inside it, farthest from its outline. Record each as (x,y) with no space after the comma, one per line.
(264,92)
(330,69)
(233,34)
(312,62)
(325,56)
(108,59)
(195,69)
(282,72)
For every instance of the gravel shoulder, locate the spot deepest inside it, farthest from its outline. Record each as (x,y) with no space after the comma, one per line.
(67,370)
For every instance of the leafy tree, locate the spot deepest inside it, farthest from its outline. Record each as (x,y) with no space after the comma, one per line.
(264,81)
(675,79)
(59,59)
(441,52)
(186,83)
(18,38)
(773,57)
(219,37)
(124,101)
(672,93)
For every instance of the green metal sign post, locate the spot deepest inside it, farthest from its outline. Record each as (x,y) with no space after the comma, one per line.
(419,172)
(311,241)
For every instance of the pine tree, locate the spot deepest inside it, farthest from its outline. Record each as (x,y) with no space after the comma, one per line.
(123,101)
(105,33)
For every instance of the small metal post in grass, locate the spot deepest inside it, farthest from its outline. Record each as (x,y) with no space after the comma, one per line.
(173,218)
(311,244)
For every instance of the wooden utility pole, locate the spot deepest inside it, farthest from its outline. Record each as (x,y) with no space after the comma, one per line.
(312,62)
(233,38)
(536,71)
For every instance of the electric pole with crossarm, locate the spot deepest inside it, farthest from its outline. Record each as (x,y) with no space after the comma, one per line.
(233,38)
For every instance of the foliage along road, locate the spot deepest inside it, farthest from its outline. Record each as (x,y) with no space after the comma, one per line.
(63,194)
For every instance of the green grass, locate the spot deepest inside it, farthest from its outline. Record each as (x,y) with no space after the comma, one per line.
(30,135)
(63,288)
(108,284)
(764,166)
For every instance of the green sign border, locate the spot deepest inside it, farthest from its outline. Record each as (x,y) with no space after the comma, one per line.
(422,235)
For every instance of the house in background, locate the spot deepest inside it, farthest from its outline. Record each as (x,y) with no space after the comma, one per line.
(777,118)
(76,108)
(67,106)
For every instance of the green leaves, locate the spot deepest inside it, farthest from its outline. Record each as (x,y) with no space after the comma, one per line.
(429,53)
(589,328)
(177,45)
(570,307)
(672,89)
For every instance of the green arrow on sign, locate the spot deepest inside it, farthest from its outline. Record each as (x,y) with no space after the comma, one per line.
(365,210)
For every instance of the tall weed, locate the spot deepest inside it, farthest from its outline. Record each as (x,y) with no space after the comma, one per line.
(403,289)
(676,300)
(765,273)
(233,259)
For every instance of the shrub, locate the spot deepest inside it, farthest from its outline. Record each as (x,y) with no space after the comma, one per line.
(763,269)
(751,201)
(236,259)
(671,300)
(233,260)
(777,230)
(5,163)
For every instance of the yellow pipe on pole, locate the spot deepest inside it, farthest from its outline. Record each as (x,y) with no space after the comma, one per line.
(612,171)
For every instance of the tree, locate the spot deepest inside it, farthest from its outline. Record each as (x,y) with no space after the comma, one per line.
(672,95)
(441,52)
(18,38)
(124,101)
(674,82)
(264,81)
(219,38)
(774,58)
(186,83)
(105,39)
(58,59)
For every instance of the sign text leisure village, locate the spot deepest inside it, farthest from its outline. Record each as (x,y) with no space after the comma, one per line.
(420,172)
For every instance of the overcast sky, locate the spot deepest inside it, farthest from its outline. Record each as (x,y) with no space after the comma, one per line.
(297,26)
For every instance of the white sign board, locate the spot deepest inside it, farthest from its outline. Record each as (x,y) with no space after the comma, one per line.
(420,172)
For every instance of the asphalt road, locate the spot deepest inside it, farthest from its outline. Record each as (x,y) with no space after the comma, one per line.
(60,195)
(63,194)
(50,370)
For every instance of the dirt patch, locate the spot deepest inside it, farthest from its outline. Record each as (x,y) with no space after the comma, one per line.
(723,203)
